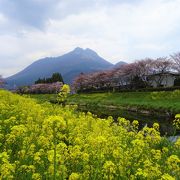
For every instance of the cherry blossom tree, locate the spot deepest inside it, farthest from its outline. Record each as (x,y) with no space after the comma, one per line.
(176,59)
(135,75)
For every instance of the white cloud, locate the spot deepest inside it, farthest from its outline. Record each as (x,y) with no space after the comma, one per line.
(2,19)
(117,31)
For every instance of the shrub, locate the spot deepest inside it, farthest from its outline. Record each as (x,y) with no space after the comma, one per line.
(62,96)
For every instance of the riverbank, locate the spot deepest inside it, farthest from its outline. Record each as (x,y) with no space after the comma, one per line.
(143,102)
(163,102)
(146,107)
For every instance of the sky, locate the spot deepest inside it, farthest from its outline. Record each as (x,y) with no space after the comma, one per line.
(118,30)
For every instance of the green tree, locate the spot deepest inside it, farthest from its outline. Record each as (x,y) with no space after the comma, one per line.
(56,77)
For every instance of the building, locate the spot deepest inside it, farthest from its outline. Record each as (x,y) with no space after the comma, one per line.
(163,79)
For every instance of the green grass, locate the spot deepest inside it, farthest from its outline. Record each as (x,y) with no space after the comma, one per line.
(160,101)
(146,100)
(43,97)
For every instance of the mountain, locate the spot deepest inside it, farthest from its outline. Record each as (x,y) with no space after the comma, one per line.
(69,65)
(120,63)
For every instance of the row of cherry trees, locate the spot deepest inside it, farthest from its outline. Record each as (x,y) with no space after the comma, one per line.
(130,76)
(48,88)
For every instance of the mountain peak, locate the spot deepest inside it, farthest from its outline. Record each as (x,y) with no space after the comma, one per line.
(90,52)
(69,65)
(78,49)
(85,52)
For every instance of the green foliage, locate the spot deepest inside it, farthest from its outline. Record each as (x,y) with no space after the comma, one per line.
(56,77)
(163,95)
(44,141)
(159,101)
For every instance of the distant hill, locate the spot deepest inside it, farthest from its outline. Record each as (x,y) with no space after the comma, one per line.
(69,65)
(120,63)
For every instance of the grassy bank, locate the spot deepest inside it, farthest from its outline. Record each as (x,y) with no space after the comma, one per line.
(155,101)
(146,107)
(162,101)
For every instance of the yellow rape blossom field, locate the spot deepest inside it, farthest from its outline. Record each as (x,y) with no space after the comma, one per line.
(45,141)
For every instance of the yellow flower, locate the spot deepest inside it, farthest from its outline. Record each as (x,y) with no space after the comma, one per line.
(135,124)
(6,168)
(156,154)
(22,153)
(167,177)
(51,155)
(176,123)
(74,176)
(138,143)
(37,157)
(109,167)
(85,157)
(173,162)
(86,147)
(116,153)
(140,173)
(36,176)
(177,143)
(165,149)
(123,122)
(156,126)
